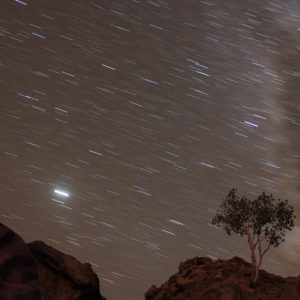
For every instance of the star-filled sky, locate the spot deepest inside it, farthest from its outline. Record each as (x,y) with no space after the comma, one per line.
(125,122)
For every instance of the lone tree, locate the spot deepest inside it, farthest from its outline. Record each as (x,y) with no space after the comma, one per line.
(264,221)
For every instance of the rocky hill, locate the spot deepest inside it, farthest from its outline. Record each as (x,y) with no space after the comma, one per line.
(37,271)
(202,278)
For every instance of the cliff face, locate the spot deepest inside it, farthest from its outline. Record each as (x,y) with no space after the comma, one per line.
(202,278)
(37,271)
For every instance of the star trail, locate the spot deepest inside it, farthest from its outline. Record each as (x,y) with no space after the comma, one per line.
(124,124)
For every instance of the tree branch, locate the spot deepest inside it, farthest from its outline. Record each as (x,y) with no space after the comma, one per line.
(257,240)
(266,250)
(250,239)
(259,249)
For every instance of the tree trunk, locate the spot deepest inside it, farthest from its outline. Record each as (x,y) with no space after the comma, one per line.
(257,268)
(256,274)
(254,264)
(253,258)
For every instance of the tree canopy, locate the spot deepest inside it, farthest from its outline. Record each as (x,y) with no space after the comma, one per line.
(264,220)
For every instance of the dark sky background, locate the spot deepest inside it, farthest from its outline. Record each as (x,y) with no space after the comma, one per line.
(146,113)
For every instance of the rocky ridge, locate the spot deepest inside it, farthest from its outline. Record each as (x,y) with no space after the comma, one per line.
(202,278)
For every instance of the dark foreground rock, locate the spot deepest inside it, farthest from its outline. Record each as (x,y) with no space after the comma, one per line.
(37,271)
(18,272)
(62,277)
(202,278)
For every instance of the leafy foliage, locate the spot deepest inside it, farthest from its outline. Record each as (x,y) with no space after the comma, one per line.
(265,216)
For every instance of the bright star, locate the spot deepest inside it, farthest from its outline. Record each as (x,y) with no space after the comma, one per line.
(61,193)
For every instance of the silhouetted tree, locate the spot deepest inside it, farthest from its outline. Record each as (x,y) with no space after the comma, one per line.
(264,221)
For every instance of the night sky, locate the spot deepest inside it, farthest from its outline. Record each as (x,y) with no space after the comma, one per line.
(124,123)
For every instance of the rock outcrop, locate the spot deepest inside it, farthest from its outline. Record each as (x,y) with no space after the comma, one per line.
(37,271)
(18,272)
(62,277)
(202,278)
